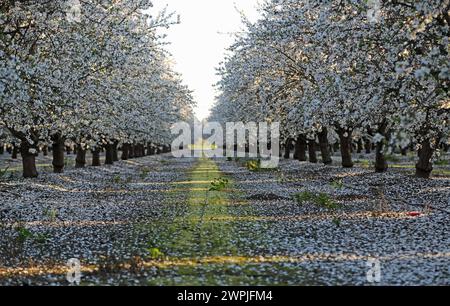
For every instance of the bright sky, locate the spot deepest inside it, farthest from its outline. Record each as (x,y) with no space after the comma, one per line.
(198,44)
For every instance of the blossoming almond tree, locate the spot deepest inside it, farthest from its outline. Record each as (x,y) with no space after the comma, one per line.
(90,80)
(330,66)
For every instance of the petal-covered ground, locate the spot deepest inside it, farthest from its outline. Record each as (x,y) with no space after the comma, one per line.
(165,221)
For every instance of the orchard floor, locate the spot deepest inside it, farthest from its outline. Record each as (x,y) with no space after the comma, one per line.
(159,221)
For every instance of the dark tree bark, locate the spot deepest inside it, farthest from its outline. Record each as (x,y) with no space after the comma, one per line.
(300,147)
(345,137)
(125,151)
(68,150)
(149,149)
(115,151)
(144,149)
(136,151)
(287,148)
(15,151)
(109,156)
(80,160)
(325,147)
(424,166)
(312,151)
(380,160)
(381,164)
(2,148)
(131,151)
(58,154)
(45,150)
(28,160)
(96,157)
(367,145)
(360,146)
(9,149)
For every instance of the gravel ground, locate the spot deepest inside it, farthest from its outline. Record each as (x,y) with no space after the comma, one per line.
(372,221)
(88,214)
(111,217)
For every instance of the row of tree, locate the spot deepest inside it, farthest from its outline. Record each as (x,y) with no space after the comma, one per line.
(92,74)
(373,72)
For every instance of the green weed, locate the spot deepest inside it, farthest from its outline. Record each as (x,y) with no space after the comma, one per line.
(322,200)
(219,184)
(337,184)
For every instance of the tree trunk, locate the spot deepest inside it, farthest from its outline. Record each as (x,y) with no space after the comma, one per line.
(345,137)
(312,151)
(300,147)
(115,151)
(380,160)
(125,151)
(109,158)
(424,166)
(80,160)
(296,150)
(45,150)
(144,150)
(131,151)
(360,146)
(138,152)
(96,157)
(2,148)
(381,164)
(149,149)
(58,154)
(28,160)
(325,147)
(287,148)
(367,145)
(15,151)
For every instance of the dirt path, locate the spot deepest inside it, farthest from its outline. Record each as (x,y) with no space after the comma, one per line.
(211,244)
